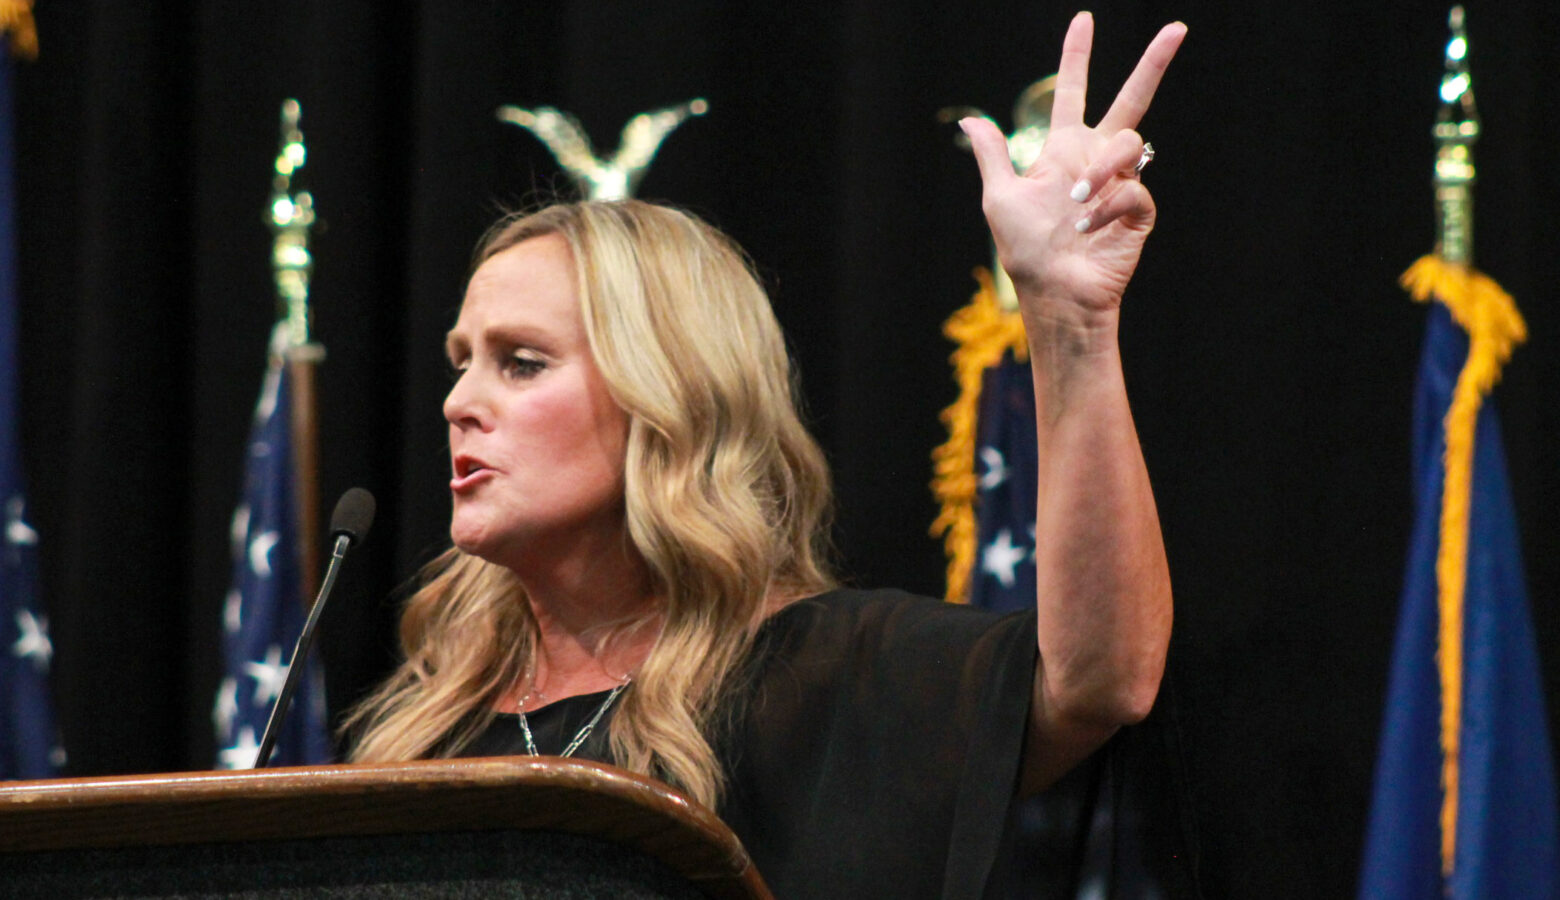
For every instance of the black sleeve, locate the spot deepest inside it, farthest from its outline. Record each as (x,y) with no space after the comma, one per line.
(877,752)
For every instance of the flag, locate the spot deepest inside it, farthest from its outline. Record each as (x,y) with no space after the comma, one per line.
(264,611)
(1492,831)
(985,473)
(1004,578)
(29,745)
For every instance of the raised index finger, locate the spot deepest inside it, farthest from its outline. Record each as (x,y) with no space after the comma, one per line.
(1072,75)
(1132,102)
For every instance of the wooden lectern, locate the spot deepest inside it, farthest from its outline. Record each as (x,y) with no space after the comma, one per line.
(504,827)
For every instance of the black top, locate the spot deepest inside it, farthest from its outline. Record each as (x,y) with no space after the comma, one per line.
(876,750)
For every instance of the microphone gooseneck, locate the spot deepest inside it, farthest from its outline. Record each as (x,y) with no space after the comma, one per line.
(349,524)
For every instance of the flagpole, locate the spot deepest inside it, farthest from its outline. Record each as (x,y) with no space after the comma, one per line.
(291,216)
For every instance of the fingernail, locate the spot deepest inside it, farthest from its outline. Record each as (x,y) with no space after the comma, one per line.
(1082,225)
(963,126)
(1080,193)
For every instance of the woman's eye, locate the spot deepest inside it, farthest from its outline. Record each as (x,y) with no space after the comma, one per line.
(455,369)
(523,366)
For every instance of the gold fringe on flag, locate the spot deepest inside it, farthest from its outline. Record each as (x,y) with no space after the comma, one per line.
(983,332)
(1494,326)
(16,23)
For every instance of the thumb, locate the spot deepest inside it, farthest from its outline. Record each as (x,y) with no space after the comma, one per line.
(990,148)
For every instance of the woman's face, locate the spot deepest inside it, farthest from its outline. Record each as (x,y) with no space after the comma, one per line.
(536,442)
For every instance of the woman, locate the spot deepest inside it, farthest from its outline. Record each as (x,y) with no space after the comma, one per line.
(637,574)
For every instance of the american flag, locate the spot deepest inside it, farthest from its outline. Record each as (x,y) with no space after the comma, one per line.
(264,610)
(1004,571)
(29,745)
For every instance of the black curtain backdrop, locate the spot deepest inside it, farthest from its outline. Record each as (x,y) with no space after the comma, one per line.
(1269,352)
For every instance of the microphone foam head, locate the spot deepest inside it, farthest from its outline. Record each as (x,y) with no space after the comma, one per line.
(354,513)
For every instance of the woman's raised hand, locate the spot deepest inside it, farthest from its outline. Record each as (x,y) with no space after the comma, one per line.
(1070,230)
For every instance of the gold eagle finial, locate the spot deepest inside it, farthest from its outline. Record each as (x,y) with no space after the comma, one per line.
(1031,126)
(603,179)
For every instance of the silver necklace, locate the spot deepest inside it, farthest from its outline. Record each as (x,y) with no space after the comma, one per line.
(583,733)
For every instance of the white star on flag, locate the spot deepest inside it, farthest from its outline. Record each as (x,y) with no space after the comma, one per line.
(238,532)
(268,675)
(226,708)
(34,643)
(996,468)
(260,553)
(233,612)
(1000,557)
(17,531)
(241,755)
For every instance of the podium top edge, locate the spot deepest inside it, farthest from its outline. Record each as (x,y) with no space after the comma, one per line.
(496,793)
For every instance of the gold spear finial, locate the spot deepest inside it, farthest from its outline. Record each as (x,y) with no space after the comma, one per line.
(1031,126)
(290,218)
(603,179)
(1456,129)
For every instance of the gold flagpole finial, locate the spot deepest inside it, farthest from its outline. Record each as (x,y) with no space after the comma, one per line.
(603,179)
(1456,129)
(1031,126)
(291,216)
(1031,122)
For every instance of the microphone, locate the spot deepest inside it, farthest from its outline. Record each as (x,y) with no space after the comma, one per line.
(349,522)
(353,515)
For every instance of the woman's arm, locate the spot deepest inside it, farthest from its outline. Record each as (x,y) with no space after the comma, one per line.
(1069,232)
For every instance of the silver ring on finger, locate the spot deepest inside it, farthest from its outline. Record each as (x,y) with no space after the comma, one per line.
(1146,157)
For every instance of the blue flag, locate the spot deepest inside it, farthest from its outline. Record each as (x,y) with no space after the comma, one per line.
(1004,571)
(1506,841)
(264,611)
(29,747)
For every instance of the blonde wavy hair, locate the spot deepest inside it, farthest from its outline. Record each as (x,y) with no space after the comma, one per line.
(726,495)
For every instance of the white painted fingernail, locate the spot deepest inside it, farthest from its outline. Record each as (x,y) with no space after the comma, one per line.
(1080,192)
(1082,224)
